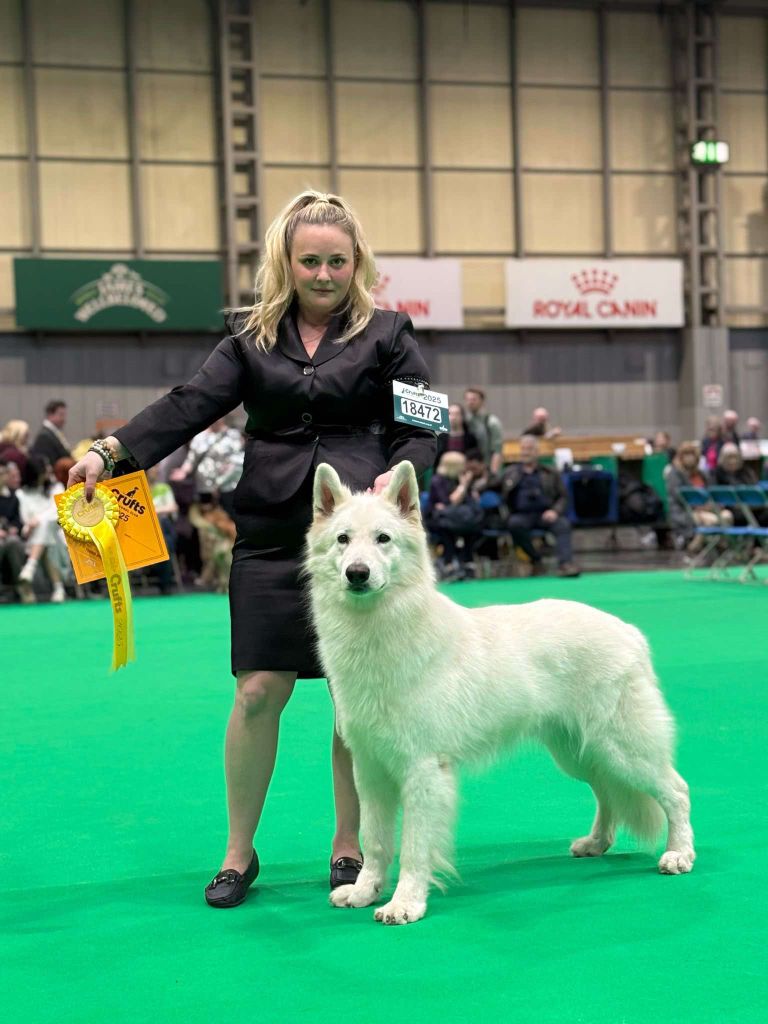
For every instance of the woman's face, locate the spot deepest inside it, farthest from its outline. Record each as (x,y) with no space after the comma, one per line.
(455,417)
(323,265)
(731,461)
(689,458)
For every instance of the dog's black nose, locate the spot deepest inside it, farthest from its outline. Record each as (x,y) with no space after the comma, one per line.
(358,574)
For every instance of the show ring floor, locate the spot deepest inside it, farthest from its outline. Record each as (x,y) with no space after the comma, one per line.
(113,821)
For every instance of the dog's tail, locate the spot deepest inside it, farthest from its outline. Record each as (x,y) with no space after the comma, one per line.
(629,807)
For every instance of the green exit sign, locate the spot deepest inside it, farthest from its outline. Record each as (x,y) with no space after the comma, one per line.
(706,152)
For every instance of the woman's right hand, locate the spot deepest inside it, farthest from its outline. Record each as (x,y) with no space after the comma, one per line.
(88,470)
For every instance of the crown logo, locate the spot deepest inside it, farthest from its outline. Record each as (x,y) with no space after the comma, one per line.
(594,280)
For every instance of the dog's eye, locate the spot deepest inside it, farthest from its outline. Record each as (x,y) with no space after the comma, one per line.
(383,538)
(343,538)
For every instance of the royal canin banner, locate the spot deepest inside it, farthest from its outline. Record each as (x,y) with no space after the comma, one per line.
(594,293)
(429,291)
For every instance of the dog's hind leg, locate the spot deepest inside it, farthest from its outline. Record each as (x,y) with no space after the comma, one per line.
(429,809)
(378,808)
(672,793)
(564,749)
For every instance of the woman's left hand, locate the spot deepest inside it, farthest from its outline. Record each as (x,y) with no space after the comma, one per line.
(380,483)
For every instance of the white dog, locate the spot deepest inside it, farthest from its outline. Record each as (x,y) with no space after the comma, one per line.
(421,685)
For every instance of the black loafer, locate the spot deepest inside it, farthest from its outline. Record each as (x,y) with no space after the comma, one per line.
(229,887)
(344,871)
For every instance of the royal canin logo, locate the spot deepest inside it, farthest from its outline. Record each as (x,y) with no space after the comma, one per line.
(594,282)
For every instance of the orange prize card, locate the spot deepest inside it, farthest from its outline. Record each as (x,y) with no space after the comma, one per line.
(138,530)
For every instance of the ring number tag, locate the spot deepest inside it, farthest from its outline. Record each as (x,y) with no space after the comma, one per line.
(419,407)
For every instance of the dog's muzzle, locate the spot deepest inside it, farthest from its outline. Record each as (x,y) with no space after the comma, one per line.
(357,577)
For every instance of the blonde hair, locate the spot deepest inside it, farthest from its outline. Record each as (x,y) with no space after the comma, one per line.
(274,279)
(452,464)
(15,432)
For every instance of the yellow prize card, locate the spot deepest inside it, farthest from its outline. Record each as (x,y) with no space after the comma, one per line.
(137,528)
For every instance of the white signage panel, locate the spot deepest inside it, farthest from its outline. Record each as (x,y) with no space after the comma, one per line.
(594,293)
(429,291)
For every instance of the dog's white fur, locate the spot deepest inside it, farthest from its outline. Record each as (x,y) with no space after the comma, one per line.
(421,685)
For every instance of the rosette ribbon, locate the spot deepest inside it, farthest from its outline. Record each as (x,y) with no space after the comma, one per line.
(94,522)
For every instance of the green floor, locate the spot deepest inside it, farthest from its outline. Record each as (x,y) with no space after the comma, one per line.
(113,820)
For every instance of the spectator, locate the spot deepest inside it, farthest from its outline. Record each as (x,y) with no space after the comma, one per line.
(12,556)
(217,534)
(453,515)
(166,510)
(13,477)
(754,430)
(537,500)
(662,445)
(14,439)
(50,443)
(459,437)
(731,470)
(730,423)
(711,444)
(486,427)
(40,529)
(539,425)
(215,460)
(685,471)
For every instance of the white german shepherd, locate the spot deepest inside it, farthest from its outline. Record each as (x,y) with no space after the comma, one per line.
(421,685)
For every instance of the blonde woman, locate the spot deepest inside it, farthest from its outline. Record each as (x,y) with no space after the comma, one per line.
(313,362)
(684,471)
(14,443)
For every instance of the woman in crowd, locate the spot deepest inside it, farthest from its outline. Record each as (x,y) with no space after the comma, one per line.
(684,471)
(711,443)
(459,437)
(40,529)
(313,362)
(453,515)
(14,443)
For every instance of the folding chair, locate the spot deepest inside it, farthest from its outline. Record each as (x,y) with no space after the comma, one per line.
(751,498)
(697,497)
(739,538)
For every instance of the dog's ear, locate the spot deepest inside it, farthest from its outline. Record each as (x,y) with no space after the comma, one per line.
(403,491)
(329,491)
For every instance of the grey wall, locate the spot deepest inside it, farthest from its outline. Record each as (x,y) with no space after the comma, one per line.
(591,383)
(749,372)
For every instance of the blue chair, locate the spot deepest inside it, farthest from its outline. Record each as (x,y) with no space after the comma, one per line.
(751,498)
(698,497)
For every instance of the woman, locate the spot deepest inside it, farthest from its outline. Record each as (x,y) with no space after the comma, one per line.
(452,511)
(313,362)
(459,437)
(683,471)
(40,530)
(731,471)
(14,441)
(712,442)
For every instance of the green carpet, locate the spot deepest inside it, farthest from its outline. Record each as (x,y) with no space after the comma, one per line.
(113,820)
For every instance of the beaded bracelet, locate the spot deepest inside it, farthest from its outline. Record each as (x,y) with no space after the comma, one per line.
(103,450)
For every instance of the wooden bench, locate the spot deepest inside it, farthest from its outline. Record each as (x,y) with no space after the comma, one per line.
(584,447)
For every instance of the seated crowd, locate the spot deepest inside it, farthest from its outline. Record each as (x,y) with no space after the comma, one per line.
(474,503)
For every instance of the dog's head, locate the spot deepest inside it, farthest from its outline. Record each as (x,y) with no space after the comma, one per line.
(360,545)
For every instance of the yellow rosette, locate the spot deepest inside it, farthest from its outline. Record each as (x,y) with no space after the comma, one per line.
(94,521)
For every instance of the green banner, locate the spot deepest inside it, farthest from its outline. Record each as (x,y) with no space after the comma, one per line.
(118,295)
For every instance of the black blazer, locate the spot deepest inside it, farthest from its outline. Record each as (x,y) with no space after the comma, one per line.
(336,407)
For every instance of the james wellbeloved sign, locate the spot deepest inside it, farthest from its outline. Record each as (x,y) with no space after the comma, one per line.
(594,293)
(118,295)
(429,291)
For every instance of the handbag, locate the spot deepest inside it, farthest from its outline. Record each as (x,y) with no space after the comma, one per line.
(468,517)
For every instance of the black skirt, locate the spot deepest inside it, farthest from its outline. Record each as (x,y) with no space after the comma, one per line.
(268,601)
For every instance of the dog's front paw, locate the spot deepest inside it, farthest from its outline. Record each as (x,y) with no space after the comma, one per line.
(589,846)
(353,896)
(675,863)
(401,912)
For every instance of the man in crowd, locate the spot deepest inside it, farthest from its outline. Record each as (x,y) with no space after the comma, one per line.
(539,425)
(730,426)
(754,430)
(536,498)
(487,428)
(50,443)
